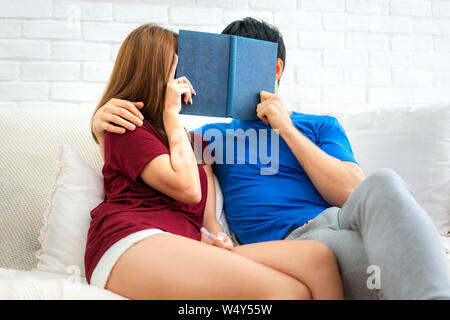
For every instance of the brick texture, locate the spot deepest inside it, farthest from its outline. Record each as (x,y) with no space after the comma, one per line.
(341,54)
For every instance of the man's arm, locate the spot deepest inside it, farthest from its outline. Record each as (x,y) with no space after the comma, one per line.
(334,179)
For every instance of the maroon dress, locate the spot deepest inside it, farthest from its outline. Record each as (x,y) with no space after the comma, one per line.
(131,205)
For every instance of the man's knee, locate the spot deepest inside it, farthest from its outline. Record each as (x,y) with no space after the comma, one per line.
(383,177)
(384,187)
(385,181)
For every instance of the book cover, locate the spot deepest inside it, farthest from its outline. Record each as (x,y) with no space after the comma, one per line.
(227,73)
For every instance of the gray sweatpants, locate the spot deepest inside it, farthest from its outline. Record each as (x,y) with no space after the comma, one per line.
(385,244)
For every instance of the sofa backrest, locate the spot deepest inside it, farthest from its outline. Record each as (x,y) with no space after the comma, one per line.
(414,142)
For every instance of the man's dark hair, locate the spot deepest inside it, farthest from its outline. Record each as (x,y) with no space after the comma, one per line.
(255,29)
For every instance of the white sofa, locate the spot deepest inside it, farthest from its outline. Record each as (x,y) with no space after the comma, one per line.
(413,141)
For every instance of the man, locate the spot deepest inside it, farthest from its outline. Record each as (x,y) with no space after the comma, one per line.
(385,244)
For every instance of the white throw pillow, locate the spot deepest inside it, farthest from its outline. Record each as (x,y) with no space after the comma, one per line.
(76,191)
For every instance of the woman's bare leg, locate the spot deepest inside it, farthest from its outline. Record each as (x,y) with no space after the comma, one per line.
(310,262)
(166,266)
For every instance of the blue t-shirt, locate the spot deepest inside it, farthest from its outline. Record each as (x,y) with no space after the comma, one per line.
(266,191)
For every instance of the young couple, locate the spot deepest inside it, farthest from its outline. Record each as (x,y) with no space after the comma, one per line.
(156,236)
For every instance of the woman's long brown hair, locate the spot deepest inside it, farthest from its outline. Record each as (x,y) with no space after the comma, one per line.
(141,70)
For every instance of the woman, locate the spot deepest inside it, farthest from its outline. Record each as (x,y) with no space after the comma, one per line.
(146,239)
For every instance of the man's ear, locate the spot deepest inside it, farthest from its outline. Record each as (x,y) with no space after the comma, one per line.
(279,71)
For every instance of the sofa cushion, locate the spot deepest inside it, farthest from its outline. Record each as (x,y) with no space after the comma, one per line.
(38,285)
(414,142)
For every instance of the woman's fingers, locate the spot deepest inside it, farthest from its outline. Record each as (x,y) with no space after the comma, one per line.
(222,243)
(186,80)
(206,239)
(226,241)
(173,68)
(206,236)
(220,240)
(183,88)
(182,81)
(212,239)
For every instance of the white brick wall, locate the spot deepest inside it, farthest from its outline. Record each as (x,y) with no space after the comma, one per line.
(341,54)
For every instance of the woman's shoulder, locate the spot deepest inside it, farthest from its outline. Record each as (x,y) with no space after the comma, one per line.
(135,139)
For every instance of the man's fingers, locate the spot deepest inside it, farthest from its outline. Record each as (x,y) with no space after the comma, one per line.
(261,106)
(113,129)
(173,69)
(121,103)
(263,109)
(264,95)
(264,119)
(262,116)
(138,105)
(130,106)
(125,114)
(119,121)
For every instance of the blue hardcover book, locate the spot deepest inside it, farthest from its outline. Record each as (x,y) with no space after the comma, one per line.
(227,73)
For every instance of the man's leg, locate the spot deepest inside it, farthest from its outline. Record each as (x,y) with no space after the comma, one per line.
(348,249)
(399,238)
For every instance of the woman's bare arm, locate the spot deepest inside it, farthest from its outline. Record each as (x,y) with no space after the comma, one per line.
(175,174)
(209,219)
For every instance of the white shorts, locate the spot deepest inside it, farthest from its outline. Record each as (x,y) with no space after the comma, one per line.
(101,272)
